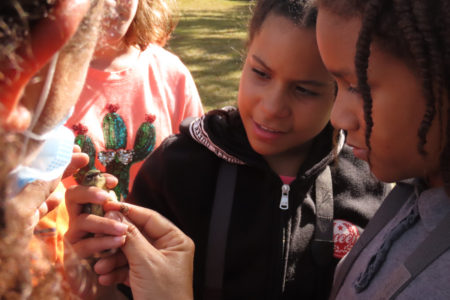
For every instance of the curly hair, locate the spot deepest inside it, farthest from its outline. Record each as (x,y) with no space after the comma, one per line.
(27,272)
(16,17)
(418,32)
(154,22)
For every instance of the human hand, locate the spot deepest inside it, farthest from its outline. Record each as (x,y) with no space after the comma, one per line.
(89,234)
(159,256)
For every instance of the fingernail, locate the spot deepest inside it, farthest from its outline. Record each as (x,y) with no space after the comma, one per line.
(114,215)
(102,195)
(121,228)
(120,239)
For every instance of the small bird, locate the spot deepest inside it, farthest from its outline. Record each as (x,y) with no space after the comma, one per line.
(96,178)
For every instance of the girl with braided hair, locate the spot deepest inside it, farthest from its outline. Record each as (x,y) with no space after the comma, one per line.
(391,62)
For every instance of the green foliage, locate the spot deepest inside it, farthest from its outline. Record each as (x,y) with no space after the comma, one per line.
(210,40)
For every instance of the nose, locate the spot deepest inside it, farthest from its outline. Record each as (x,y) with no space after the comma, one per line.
(344,113)
(274,103)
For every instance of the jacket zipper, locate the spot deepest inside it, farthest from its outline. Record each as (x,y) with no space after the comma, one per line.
(284,206)
(284,202)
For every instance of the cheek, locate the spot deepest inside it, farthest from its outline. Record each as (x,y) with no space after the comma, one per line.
(319,114)
(312,120)
(245,96)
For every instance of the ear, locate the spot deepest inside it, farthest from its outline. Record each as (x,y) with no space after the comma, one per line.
(46,38)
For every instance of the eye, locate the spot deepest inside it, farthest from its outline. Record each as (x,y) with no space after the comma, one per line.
(303,91)
(353,90)
(260,73)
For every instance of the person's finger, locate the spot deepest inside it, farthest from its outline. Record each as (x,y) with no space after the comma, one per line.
(76,148)
(84,224)
(117,276)
(149,221)
(111,180)
(53,200)
(78,195)
(79,160)
(90,246)
(110,263)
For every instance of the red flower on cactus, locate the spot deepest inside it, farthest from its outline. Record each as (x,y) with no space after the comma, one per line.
(150,118)
(112,108)
(79,129)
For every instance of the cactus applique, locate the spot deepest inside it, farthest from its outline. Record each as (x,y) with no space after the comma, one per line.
(116,158)
(87,146)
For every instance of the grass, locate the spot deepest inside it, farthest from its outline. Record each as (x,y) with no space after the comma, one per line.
(210,40)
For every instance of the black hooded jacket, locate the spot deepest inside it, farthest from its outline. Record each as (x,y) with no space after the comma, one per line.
(268,254)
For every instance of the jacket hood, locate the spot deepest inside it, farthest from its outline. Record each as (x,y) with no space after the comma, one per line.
(222,132)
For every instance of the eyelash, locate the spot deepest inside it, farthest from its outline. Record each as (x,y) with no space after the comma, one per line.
(261,74)
(304,91)
(353,90)
(298,89)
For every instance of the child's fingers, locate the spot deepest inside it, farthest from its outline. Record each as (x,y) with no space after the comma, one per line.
(77,196)
(111,180)
(76,149)
(82,225)
(90,246)
(115,277)
(78,161)
(110,263)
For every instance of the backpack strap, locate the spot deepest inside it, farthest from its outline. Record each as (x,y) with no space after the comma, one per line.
(322,245)
(218,230)
(393,202)
(434,245)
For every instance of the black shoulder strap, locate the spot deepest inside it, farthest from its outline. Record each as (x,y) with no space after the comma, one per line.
(322,245)
(385,212)
(428,251)
(218,230)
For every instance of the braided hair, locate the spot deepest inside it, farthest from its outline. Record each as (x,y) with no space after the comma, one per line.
(417,32)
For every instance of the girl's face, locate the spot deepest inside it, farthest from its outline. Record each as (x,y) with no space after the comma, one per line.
(398,104)
(120,14)
(285,93)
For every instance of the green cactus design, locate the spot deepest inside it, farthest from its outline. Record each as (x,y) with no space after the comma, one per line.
(87,146)
(116,158)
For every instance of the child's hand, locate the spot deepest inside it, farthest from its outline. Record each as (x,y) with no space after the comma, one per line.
(82,226)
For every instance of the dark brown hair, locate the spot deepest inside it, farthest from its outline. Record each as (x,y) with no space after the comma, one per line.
(301,12)
(418,32)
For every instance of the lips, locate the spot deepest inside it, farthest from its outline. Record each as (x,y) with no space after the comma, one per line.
(360,153)
(266,133)
(267,128)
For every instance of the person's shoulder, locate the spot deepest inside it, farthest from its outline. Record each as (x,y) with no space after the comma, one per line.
(176,148)
(163,58)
